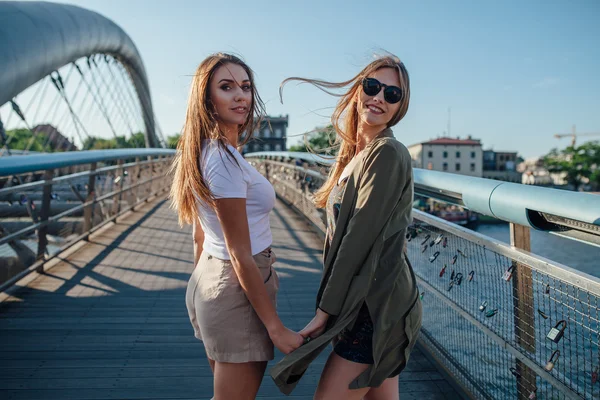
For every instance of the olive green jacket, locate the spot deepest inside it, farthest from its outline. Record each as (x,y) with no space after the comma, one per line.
(366,263)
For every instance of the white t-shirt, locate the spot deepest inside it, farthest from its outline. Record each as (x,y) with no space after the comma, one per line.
(234,178)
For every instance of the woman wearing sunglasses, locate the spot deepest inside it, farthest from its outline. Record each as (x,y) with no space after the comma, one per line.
(367,304)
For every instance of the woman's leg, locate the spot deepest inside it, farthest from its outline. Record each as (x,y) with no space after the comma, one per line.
(387,391)
(238,381)
(336,376)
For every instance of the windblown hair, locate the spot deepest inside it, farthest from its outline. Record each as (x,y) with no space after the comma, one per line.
(201,123)
(345,117)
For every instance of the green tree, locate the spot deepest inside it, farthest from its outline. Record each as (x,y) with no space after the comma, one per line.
(321,140)
(136,140)
(579,163)
(20,138)
(173,140)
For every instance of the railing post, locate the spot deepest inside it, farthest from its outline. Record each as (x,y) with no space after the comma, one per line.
(524,313)
(134,178)
(88,213)
(267,167)
(44,214)
(148,185)
(116,206)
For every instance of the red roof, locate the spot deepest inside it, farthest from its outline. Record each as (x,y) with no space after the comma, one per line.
(447,140)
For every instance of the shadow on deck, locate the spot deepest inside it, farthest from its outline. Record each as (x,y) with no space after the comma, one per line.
(109,321)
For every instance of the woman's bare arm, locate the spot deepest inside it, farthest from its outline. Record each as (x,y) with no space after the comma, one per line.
(198,235)
(234,222)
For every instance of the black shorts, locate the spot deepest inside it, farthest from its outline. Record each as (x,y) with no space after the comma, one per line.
(356,344)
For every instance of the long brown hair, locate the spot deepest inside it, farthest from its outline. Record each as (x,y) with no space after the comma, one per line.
(345,116)
(200,124)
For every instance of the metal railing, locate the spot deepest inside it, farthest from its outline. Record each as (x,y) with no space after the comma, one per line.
(490,308)
(48,202)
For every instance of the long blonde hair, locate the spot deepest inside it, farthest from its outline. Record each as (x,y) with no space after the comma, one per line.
(345,116)
(200,124)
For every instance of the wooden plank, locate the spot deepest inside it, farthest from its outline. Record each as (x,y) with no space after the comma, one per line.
(110,321)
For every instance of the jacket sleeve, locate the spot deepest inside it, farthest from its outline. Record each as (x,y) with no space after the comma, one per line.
(386,173)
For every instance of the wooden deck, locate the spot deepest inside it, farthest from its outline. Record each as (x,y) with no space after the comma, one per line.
(109,321)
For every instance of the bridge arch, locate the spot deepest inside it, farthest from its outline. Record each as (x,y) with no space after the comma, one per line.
(40,37)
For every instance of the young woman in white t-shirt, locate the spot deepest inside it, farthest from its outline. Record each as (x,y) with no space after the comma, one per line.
(231,295)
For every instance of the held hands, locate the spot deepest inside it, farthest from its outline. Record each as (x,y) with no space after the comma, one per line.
(285,339)
(316,326)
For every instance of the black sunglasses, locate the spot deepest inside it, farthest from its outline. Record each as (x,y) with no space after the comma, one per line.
(391,94)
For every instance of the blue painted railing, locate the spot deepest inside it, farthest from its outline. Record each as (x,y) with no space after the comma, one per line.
(12,165)
(552,210)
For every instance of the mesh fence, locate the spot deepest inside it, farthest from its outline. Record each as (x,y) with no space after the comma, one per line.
(504,323)
(42,212)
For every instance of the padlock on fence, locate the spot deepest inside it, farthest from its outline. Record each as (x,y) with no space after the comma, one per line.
(483,306)
(552,361)
(454,258)
(595,375)
(532,395)
(509,273)
(434,256)
(424,242)
(443,271)
(491,313)
(557,333)
(471,275)
(458,279)
(515,372)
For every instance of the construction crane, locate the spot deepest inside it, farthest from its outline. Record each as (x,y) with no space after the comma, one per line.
(574,134)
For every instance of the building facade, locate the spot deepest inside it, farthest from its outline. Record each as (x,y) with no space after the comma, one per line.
(501,165)
(271,136)
(455,155)
(533,172)
(55,139)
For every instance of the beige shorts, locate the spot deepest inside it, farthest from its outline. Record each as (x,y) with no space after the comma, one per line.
(221,314)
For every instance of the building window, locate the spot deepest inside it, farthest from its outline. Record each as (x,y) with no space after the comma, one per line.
(472,167)
(277,147)
(445,154)
(266,133)
(458,166)
(445,166)
(458,154)
(256,147)
(430,154)
(501,158)
(278,132)
(472,154)
(267,147)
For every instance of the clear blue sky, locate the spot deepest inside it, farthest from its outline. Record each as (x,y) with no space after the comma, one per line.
(513,72)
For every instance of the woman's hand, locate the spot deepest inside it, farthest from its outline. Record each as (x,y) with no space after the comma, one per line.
(316,326)
(286,340)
